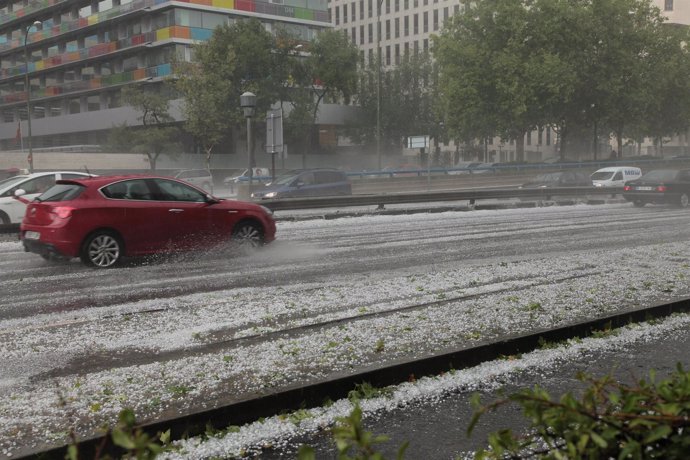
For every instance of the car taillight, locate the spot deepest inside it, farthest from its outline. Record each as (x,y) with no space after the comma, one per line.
(661,188)
(63,212)
(627,188)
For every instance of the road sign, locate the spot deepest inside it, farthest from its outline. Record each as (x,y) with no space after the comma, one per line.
(274,131)
(417,142)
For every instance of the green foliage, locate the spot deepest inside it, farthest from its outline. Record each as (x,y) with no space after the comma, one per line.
(648,420)
(409,102)
(156,135)
(365,390)
(133,440)
(508,67)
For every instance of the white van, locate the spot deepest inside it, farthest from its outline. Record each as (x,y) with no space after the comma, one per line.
(615,176)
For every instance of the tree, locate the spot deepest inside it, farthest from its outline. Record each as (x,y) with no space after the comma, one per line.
(408,102)
(157,135)
(499,76)
(237,58)
(331,67)
(508,67)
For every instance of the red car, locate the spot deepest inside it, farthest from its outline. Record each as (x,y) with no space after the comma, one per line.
(102,219)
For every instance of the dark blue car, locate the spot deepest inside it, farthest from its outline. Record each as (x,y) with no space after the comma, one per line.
(306,183)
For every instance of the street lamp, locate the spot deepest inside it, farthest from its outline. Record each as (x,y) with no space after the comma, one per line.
(378,83)
(28,92)
(248,103)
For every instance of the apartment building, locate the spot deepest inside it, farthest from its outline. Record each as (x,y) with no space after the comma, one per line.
(79,54)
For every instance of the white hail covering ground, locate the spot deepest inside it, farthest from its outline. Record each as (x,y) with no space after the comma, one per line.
(470,305)
(490,376)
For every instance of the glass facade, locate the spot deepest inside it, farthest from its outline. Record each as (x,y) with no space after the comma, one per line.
(83,52)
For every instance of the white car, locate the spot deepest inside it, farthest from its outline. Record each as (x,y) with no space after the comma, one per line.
(11,209)
(615,176)
(199,177)
(258,174)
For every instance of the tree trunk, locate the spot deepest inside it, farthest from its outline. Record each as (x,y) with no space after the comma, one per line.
(520,147)
(562,141)
(208,152)
(595,142)
(152,160)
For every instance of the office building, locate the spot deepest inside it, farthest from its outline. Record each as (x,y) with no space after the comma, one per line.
(81,53)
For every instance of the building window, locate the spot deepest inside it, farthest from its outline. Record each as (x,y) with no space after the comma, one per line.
(93,103)
(397,5)
(354,35)
(406,25)
(361,35)
(415,24)
(425,22)
(361,9)
(397,53)
(371,33)
(388,55)
(435,19)
(388,6)
(371,8)
(529,138)
(388,29)
(74,105)
(397,27)
(345,13)
(54,108)
(548,136)
(668,5)
(337,15)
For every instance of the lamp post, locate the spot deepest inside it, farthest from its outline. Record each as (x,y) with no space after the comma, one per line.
(248,103)
(378,83)
(27,88)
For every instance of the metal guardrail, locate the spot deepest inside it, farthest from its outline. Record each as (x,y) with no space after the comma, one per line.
(503,168)
(380,200)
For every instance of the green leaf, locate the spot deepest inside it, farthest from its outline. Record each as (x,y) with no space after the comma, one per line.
(598,440)
(306,452)
(659,432)
(122,439)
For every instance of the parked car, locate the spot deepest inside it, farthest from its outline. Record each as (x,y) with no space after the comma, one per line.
(259,174)
(11,172)
(401,170)
(306,183)
(559,179)
(615,176)
(11,210)
(464,167)
(483,168)
(199,177)
(103,219)
(670,186)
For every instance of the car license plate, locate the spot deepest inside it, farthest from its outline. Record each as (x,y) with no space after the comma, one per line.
(32,235)
(644,188)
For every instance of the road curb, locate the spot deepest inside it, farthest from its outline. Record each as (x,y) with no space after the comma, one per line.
(314,394)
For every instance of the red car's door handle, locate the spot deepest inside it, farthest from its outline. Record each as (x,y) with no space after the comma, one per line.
(175,210)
